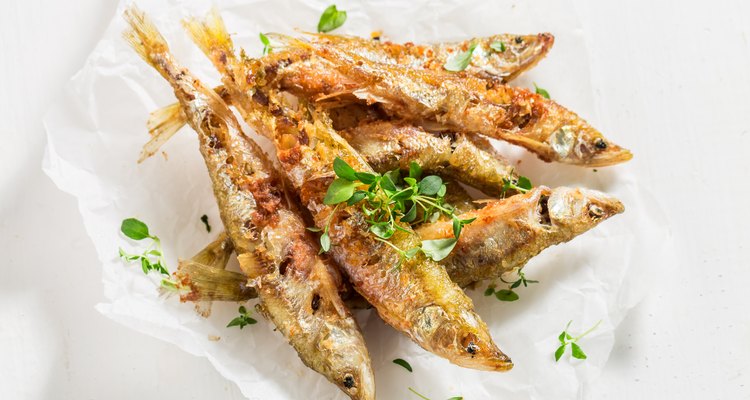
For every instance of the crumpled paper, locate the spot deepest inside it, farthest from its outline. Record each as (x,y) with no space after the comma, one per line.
(95,132)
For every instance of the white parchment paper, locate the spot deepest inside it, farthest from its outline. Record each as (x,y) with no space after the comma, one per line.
(96,130)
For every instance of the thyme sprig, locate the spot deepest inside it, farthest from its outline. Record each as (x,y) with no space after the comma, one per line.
(151,259)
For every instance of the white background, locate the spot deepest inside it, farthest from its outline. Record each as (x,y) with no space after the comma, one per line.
(675,75)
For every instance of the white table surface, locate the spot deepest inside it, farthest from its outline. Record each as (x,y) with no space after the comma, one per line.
(674,74)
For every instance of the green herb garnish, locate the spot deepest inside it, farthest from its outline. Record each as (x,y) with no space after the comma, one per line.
(541,92)
(508,294)
(566,339)
(522,185)
(266,44)
(204,219)
(459,61)
(423,397)
(243,320)
(152,259)
(403,363)
(387,199)
(498,46)
(331,19)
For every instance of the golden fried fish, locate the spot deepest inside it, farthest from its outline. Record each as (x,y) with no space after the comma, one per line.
(296,289)
(509,232)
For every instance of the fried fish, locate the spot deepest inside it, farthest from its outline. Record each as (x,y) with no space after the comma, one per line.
(296,288)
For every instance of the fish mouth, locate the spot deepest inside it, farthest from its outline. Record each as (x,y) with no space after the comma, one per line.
(467,347)
(613,155)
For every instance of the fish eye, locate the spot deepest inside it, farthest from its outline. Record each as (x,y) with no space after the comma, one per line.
(595,211)
(348,381)
(600,144)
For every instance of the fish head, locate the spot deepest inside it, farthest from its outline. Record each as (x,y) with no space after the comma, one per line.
(350,370)
(579,143)
(575,209)
(461,338)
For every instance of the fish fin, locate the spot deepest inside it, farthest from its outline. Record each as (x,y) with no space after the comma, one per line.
(162,124)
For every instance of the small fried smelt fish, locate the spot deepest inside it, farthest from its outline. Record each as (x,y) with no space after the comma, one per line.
(470,105)
(204,279)
(509,232)
(470,159)
(502,57)
(295,287)
(415,296)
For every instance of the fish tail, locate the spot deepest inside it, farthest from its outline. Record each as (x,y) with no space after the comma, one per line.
(145,39)
(211,36)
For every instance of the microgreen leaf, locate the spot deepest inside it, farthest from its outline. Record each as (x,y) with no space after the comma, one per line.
(577,351)
(313,229)
(339,191)
(566,339)
(266,44)
(559,352)
(524,183)
(331,19)
(382,230)
(498,46)
(388,184)
(489,291)
(411,252)
(438,249)
(415,171)
(430,185)
(243,319)
(541,92)
(134,229)
(344,170)
(403,363)
(410,215)
(356,197)
(325,242)
(459,61)
(506,295)
(366,177)
(442,191)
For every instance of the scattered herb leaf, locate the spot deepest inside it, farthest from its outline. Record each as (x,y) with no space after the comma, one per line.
(506,295)
(540,91)
(403,363)
(134,229)
(459,61)
(267,49)
(331,19)
(498,46)
(243,319)
(204,219)
(521,185)
(566,339)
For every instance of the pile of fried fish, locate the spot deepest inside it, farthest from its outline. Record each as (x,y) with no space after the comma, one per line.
(378,106)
